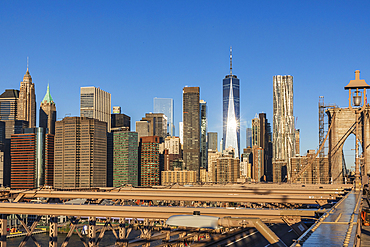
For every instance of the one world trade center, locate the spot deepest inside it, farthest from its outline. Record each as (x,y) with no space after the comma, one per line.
(231,111)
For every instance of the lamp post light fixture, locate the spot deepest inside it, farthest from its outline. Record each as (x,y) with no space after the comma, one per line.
(354,100)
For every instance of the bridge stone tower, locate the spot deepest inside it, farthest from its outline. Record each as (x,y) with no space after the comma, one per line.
(344,124)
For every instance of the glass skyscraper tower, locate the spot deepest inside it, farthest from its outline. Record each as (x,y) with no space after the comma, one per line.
(231,111)
(162,105)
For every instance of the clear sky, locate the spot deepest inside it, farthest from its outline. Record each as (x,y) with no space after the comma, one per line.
(138,50)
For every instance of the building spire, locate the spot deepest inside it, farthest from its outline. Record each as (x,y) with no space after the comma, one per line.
(27,63)
(231,60)
(47,98)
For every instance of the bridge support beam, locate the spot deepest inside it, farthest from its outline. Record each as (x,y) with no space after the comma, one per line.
(53,232)
(3,232)
(92,231)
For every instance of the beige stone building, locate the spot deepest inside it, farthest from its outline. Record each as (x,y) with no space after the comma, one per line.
(317,166)
(27,101)
(178,176)
(227,170)
(80,153)
(172,143)
(212,162)
(96,103)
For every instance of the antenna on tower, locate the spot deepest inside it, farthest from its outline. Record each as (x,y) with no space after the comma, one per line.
(27,63)
(231,60)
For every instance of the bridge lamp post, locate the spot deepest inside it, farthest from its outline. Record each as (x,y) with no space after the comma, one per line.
(356,106)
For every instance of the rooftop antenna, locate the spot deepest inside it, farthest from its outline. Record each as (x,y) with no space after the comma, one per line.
(27,63)
(231,60)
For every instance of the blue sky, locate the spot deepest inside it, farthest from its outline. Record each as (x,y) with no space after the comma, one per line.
(138,50)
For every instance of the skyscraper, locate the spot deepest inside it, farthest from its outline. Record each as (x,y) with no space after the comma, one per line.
(283,127)
(249,137)
(28,151)
(120,120)
(80,153)
(149,161)
(96,103)
(48,113)
(125,158)
(191,129)
(181,132)
(9,105)
(212,141)
(203,135)
(231,111)
(157,124)
(165,106)
(27,101)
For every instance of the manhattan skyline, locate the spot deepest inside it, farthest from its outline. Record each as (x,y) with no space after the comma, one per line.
(138,51)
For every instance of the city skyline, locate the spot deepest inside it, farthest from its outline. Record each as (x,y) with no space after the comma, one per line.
(314,43)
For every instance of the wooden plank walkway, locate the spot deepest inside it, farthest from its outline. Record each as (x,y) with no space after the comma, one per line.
(337,227)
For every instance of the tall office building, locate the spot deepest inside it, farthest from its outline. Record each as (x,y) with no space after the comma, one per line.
(181,132)
(49,159)
(203,135)
(297,140)
(28,152)
(165,106)
(125,158)
(9,125)
(212,141)
(249,137)
(227,169)
(96,103)
(261,138)
(80,155)
(120,121)
(256,131)
(27,101)
(283,127)
(150,161)
(191,129)
(48,113)
(142,128)
(157,124)
(9,105)
(231,111)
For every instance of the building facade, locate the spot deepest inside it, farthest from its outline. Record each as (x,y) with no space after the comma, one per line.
(125,158)
(80,156)
(227,170)
(26,109)
(120,120)
(191,129)
(283,127)
(96,103)
(157,124)
(150,161)
(28,165)
(212,140)
(231,111)
(9,105)
(249,137)
(178,176)
(48,113)
(203,135)
(165,106)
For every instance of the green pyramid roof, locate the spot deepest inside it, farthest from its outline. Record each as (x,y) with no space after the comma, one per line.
(48,98)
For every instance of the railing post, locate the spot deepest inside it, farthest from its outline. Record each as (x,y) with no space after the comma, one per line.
(53,232)
(3,232)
